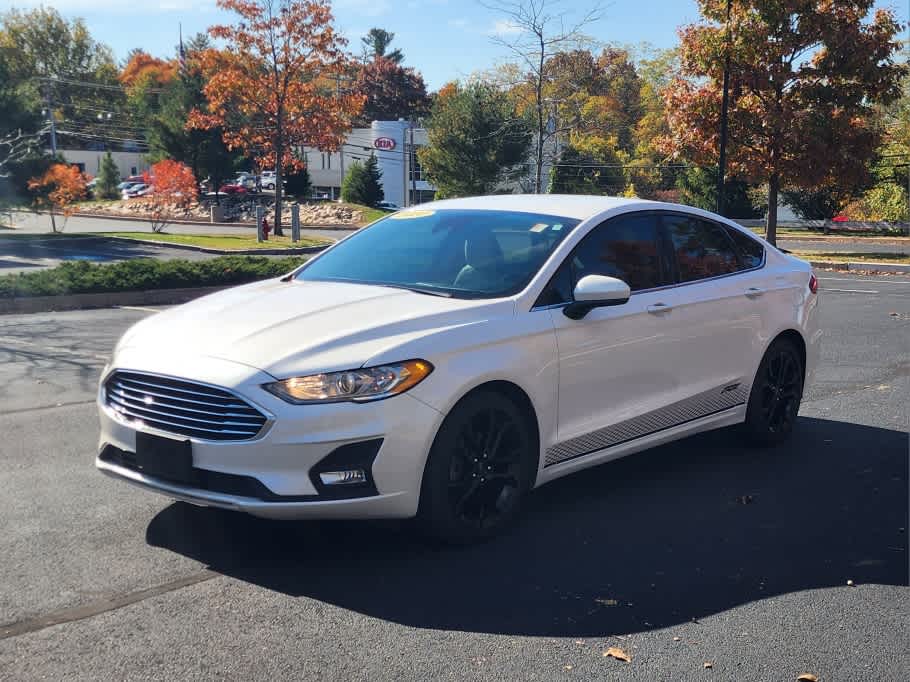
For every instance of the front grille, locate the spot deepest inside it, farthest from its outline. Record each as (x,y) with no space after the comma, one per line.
(182,407)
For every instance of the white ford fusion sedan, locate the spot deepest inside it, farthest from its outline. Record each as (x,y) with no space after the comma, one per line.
(446,360)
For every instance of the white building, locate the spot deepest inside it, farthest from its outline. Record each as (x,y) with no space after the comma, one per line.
(394,143)
(89,161)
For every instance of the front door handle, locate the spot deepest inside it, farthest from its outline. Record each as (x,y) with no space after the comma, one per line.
(754,292)
(659,308)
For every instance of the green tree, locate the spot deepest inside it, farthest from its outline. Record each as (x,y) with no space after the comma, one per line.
(108,179)
(805,78)
(363,183)
(820,203)
(698,187)
(376,45)
(475,138)
(165,117)
(583,172)
(48,58)
(298,184)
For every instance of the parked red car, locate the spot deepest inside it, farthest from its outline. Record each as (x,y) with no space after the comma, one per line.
(232,189)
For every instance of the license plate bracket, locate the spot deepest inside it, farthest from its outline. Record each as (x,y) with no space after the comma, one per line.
(165,458)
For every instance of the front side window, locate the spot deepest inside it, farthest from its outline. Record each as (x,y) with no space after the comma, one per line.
(626,247)
(702,248)
(466,253)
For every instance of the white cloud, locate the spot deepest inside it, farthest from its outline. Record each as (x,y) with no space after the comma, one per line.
(504,27)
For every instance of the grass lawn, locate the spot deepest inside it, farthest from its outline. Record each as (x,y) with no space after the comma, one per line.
(368,214)
(227,242)
(842,257)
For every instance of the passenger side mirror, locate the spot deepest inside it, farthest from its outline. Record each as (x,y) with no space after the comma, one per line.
(596,291)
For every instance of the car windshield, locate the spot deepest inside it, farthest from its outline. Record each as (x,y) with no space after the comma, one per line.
(456,252)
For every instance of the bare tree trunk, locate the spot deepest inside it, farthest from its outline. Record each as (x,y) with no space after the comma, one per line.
(53,220)
(771,224)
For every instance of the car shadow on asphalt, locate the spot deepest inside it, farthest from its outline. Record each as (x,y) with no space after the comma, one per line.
(663,537)
(81,248)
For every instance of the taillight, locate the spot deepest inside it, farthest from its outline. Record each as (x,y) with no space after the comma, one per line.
(813,284)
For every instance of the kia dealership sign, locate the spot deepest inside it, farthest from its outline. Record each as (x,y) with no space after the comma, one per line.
(386,143)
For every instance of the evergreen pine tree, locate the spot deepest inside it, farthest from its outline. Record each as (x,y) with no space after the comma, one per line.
(108,179)
(363,183)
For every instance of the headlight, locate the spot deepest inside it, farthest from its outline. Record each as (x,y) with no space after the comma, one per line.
(368,383)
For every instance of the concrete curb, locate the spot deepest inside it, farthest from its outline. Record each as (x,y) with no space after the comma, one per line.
(44,304)
(293,251)
(863,267)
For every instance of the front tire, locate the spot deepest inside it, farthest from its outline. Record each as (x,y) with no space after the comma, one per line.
(776,395)
(479,470)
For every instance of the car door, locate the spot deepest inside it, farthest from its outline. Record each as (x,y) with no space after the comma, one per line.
(617,362)
(718,313)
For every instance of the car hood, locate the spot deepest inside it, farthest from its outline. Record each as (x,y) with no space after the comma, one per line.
(289,328)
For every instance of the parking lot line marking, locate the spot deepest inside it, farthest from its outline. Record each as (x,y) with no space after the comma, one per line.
(100,606)
(854,279)
(851,291)
(139,308)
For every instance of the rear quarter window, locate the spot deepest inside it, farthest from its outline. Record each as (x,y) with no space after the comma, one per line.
(750,251)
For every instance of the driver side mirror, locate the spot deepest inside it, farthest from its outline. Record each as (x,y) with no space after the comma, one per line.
(596,291)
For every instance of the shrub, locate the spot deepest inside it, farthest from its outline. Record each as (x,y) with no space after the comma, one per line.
(143,274)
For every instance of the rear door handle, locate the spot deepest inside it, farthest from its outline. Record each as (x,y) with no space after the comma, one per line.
(659,308)
(754,292)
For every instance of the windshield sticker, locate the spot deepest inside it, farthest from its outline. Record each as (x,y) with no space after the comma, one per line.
(557,227)
(539,227)
(407,215)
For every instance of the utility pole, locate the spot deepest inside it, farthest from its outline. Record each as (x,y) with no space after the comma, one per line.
(412,154)
(724,111)
(50,118)
(404,170)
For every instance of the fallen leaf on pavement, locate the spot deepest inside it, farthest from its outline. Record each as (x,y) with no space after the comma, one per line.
(807,677)
(676,639)
(618,654)
(709,664)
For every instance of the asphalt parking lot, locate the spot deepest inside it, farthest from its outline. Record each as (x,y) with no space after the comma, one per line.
(700,553)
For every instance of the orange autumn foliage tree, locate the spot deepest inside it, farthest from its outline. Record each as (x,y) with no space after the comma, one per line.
(805,76)
(58,189)
(143,66)
(173,192)
(274,87)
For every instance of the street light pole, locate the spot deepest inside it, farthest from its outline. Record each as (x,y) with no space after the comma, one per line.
(724,111)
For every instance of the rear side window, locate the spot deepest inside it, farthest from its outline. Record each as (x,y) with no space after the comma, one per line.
(751,252)
(627,247)
(702,249)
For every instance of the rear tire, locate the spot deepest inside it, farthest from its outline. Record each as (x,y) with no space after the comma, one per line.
(775,396)
(479,470)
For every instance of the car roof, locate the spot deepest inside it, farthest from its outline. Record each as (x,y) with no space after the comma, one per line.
(579,206)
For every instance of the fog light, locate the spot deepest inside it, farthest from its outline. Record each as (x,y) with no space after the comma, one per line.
(349,477)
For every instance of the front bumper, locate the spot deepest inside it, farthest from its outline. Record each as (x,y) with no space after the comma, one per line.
(277,462)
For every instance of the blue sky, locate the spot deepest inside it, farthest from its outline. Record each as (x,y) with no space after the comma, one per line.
(443,39)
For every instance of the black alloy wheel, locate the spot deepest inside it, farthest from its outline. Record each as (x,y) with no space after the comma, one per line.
(776,395)
(479,470)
